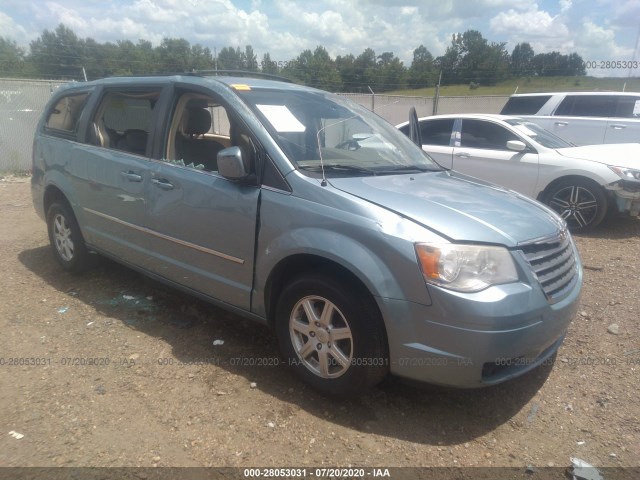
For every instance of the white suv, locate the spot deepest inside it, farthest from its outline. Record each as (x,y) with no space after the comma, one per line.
(582,118)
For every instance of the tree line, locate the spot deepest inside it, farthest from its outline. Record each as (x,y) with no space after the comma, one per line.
(470,59)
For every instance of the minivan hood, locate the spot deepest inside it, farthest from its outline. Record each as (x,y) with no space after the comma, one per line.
(618,154)
(461,208)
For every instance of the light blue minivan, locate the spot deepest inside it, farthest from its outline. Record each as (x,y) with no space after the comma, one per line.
(304,211)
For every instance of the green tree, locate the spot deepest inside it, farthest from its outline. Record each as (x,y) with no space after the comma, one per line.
(422,72)
(575,65)
(471,58)
(100,60)
(315,69)
(174,55)
(390,73)
(249,59)
(365,66)
(201,58)
(230,58)
(267,65)
(449,63)
(552,64)
(12,61)
(522,60)
(57,53)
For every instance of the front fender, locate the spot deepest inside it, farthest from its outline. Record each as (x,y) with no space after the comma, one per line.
(382,258)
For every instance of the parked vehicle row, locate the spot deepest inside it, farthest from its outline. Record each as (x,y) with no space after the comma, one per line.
(581,118)
(304,211)
(582,184)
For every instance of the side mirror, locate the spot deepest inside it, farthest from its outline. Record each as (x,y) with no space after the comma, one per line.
(516,145)
(231,164)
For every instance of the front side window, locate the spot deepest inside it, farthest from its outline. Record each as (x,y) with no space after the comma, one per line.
(65,114)
(123,120)
(201,126)
(485,135)
(325,134)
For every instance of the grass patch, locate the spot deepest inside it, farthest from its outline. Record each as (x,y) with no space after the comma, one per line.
(531,85)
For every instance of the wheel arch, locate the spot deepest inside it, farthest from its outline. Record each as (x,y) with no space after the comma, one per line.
(53,194)
(298,264)
(572,177)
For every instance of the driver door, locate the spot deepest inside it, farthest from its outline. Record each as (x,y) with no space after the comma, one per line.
(204,225)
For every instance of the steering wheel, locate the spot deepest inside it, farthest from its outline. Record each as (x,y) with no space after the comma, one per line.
(351,144)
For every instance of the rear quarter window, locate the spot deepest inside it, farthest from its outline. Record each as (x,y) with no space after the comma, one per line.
(63,117)
(628,107)
(588,106)
(524,105)
(437,132)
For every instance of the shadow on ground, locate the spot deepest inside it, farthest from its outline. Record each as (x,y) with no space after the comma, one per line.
(417,413)
(615,227)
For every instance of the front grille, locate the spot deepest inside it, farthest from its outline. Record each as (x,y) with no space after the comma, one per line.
(553,262)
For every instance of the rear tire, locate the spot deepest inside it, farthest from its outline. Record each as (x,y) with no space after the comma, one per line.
(66,239)
(582,203)
(332,335)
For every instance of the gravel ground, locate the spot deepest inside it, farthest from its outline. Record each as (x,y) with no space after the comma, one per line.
(112,369)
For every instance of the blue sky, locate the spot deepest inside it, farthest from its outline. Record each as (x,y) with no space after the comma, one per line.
(596,29)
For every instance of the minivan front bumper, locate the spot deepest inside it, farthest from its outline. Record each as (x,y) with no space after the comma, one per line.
(480,339)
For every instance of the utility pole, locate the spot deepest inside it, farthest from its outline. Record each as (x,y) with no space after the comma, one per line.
(437,97)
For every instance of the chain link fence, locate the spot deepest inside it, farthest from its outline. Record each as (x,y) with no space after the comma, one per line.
(395,108)
(22,102)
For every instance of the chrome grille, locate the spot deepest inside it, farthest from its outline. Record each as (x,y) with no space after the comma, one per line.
(553,262)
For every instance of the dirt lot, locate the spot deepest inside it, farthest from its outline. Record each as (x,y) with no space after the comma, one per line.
(147,400)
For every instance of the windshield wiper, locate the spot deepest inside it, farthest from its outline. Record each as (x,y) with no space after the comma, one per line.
(410,168)
(336,167)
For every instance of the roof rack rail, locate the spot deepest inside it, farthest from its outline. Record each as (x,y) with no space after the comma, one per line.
(241,73)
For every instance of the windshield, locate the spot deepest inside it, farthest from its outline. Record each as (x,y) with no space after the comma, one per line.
(538,134)
(322,132)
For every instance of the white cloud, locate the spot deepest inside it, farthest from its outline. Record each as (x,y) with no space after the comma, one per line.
(565,5)
(12,30)
(626,13)
(600,43)
(285,28)
(533,24)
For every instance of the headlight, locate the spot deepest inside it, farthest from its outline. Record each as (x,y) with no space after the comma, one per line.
(465,268)
(626,173)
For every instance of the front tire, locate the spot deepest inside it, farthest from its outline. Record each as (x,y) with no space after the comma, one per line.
(66,239)
(332,335)
(582,203)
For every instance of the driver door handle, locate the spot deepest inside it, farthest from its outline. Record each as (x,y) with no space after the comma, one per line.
(562,124)
(463,155)
(618,126)
(131,176)
(163,184)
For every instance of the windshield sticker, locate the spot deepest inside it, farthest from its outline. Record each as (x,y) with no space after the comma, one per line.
(281,118)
